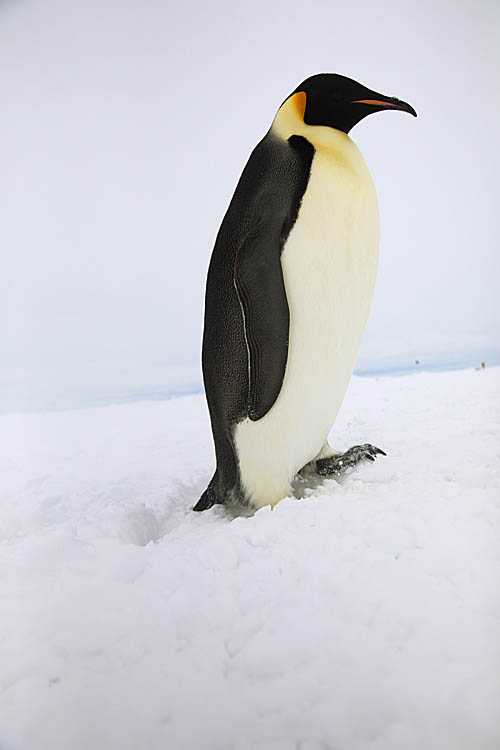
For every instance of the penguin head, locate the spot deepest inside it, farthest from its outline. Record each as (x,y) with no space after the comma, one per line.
(339,102)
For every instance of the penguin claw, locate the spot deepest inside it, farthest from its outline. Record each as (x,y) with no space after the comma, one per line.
(373,449)
(338,465)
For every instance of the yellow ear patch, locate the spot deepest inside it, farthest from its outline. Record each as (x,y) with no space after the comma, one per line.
(299,101)
(289,118)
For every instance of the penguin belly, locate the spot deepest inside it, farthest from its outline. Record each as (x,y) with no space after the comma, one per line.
(329,265)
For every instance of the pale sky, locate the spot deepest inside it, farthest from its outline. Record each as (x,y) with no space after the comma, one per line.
(126,125)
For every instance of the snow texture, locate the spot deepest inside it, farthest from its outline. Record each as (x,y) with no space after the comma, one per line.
(365,615)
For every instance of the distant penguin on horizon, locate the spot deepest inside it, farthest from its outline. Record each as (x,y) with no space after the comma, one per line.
(289,289)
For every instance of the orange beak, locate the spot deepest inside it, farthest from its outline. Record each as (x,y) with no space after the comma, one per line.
(387,104)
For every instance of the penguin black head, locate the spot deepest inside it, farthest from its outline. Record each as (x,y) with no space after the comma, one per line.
(339,102)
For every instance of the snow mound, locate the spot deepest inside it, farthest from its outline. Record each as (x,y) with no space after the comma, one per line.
(365,616)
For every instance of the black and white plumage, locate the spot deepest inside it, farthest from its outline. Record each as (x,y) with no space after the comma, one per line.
(288,293)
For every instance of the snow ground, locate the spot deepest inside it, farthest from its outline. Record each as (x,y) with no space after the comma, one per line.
(364,616)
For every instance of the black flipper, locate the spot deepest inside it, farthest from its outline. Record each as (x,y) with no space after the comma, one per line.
(261,291)
(259,283)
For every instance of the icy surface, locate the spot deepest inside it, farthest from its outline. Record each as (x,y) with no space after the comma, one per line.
(364,616)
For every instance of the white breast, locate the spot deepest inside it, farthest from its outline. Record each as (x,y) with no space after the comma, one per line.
(329,266)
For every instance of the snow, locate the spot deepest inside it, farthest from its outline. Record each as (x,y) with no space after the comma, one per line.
(365,615)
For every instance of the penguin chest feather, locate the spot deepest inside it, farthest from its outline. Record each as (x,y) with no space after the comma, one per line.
(329,267)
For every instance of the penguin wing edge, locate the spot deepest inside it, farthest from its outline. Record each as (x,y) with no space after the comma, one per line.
(259,284)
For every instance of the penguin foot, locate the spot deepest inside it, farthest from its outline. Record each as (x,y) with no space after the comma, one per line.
(344,462)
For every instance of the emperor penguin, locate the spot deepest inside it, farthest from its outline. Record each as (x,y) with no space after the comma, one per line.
(289,289)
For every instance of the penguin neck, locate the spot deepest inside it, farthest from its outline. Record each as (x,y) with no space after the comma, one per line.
(289,121)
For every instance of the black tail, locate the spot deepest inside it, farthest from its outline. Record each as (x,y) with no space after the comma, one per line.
(210,497)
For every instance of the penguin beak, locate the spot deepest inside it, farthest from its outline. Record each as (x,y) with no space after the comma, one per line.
(387,102)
